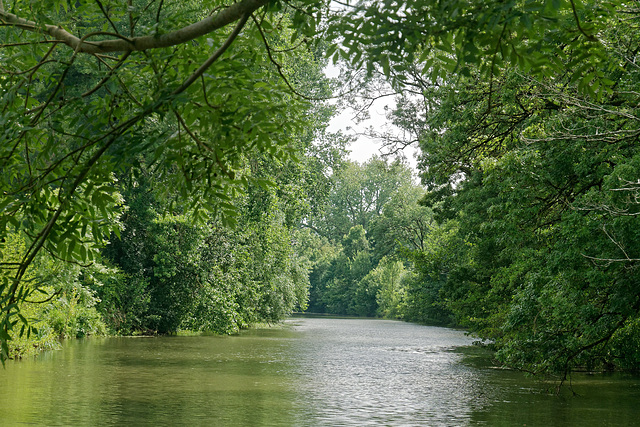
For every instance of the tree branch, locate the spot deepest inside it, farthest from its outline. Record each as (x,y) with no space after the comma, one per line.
(200,71)
(106,15)
(108,76)
(279,66)
(174,38)
(589,37)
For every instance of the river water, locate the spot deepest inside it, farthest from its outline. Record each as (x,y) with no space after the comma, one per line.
(312,372)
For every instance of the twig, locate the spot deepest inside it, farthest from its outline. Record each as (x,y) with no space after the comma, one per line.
(200,71)
(106,15)
(279,67)
(107,77)
(575,15)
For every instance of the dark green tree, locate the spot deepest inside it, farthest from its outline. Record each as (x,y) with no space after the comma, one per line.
(534,179)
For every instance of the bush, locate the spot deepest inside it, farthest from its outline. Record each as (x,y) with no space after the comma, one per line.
(74,315)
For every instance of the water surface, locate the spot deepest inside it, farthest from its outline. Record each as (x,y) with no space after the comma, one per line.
(313,372)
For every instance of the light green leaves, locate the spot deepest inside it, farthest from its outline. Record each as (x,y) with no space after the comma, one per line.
(445,38)
(71,121)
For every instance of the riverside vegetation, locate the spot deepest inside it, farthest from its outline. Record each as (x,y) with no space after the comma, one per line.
(167,166)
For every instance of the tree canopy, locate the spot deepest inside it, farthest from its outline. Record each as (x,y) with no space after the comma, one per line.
(532,173)
(525,112)
(187,91)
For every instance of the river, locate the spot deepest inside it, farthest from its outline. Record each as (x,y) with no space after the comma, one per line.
(312,372)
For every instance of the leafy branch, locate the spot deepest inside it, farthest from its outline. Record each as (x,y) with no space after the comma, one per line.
(119,43)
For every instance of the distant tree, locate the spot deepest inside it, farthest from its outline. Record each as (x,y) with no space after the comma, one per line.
(359,194)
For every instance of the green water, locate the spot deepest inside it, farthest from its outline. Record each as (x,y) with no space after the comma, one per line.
(314,372)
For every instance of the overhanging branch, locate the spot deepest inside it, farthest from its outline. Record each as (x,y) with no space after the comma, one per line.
(212,23)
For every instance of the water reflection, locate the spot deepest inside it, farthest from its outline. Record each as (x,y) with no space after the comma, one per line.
(382,373)
(316,372)
(233,381)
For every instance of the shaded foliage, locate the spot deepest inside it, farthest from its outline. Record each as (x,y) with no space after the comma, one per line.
(534,179)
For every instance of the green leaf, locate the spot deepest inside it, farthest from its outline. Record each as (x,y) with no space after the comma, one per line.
(266,25)
(384,62)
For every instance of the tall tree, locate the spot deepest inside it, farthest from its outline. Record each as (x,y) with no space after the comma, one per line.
(534,179)
(360,192)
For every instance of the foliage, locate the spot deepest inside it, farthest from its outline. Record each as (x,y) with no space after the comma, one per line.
(528,131)
(73,315)
(57,305)
(78,113)
(141,84)
(340,286)
(544,38)
(320,254)
(404,224)
(362,275)
(180,275)
(176,276)
(124,302)
(424,301)
(359,193)
(534,182)
(355,242)
(387,279)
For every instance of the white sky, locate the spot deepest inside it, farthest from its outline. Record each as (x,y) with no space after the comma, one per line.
(365,147)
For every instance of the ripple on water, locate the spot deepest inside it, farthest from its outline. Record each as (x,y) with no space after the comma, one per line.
(317,372)
(383,373)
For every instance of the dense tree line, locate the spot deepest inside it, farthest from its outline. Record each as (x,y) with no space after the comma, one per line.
(531,171)
(370,233)
(141,194)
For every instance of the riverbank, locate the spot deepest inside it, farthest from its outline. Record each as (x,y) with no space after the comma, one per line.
(50,335)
